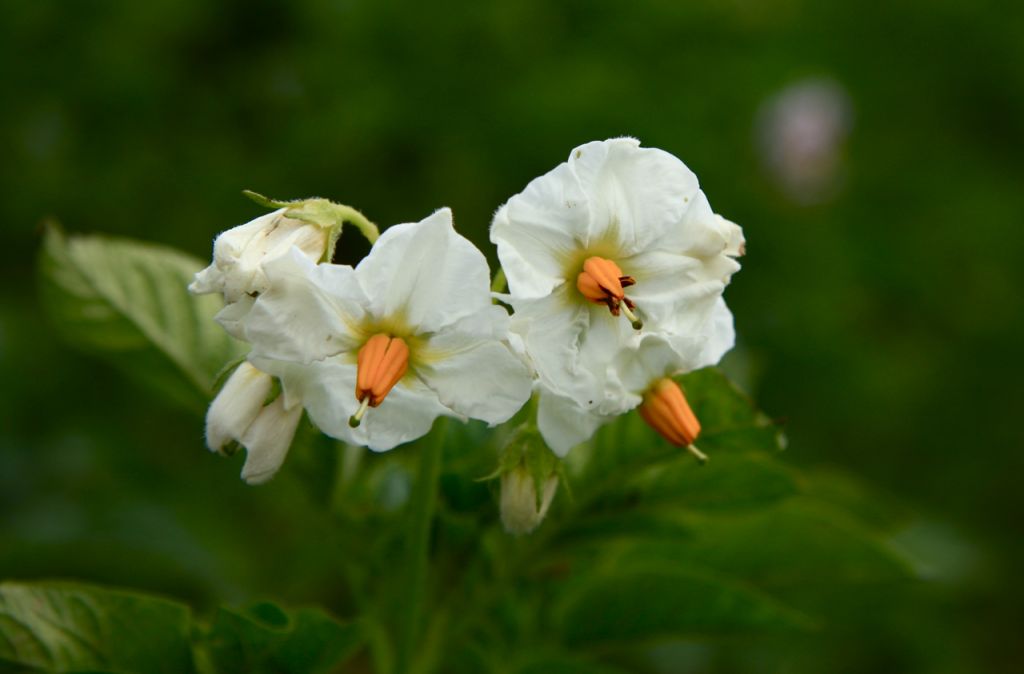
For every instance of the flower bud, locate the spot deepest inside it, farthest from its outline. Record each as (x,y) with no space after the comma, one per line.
(238,414)
(236,406)
(529,473)
(521,507)
(268,440)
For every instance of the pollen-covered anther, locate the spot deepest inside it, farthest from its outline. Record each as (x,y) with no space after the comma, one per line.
(602,282)
(381,363)
(665,409)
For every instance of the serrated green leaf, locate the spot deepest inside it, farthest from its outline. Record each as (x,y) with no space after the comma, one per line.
(645,604)
(128,301)
(62,627)
(267,639)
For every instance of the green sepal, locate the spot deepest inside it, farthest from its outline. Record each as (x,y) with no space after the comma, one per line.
(527,449)
(322,213)
(225,373)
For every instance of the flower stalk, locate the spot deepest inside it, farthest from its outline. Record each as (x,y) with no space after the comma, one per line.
(422,506)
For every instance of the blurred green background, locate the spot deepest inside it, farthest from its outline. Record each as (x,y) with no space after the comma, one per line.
(872,155)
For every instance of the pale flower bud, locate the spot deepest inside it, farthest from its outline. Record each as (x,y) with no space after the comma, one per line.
(238,414)
(521,510)
(268,439)
(236,406)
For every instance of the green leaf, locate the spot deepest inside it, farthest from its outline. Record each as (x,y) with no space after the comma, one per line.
(128,301)
(718,404)
(800,541)
(64,627)
(787,550)
(651,603)
(265,638)
(730,481)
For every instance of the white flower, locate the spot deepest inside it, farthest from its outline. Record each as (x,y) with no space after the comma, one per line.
(521,510)
(238,414)
(613,244)
(376,353)
(239,254)
(641,377)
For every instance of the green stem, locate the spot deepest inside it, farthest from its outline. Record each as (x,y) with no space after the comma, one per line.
(499,284)
(354,217)
(422,506)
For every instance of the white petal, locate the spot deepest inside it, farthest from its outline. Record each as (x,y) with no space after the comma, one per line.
(476,377)
(309,312)
(675,353)
(635,194)
(652,360)
(564,424)
(236,406)
(719,336)
(268,439)
(737,243)
(538,231)
(208,280)
(571,344)
(703,234)
(232,316)
(673,293)
(327,389)
(426,273)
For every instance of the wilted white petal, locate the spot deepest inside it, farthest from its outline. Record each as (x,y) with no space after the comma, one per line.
(268,439)
(236,406)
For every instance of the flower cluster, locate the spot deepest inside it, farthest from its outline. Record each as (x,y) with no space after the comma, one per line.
(615,265)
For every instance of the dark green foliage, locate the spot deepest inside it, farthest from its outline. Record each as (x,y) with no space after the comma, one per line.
(266,640)
(62,627)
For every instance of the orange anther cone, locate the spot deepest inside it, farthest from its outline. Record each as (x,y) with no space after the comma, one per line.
(381,363)
(665,409)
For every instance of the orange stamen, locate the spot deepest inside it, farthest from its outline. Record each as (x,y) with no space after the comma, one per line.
(602,282)
(665,409)
(381,363)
